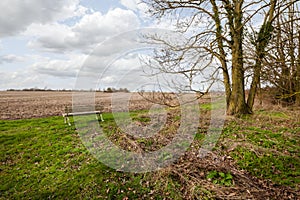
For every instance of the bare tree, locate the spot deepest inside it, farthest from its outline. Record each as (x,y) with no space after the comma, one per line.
(215,32)
(282,64)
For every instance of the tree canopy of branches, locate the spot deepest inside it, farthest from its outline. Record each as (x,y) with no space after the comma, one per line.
(217,32)
(281,66)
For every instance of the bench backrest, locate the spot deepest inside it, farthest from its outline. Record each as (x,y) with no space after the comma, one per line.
(83,108)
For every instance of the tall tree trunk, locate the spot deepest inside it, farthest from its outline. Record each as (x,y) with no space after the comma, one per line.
(292,36)
(263,40)
(237,104)
(297,101)
(222,54)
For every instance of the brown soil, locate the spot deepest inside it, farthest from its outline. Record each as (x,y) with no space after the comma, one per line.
(34,104)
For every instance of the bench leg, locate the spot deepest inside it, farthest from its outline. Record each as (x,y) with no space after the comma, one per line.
(101,118)
(68,121)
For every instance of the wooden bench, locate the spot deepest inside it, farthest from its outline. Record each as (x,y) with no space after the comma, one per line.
(84,111)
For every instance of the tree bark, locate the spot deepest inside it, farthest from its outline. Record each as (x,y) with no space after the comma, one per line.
(263,40)
(297,101)
(222,54)
(237,104)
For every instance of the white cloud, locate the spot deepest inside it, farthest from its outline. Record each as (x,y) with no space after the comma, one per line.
(29,79)
(130,4)
(127,63)
(49,37)
(17,15)
(71,31)
(91,30)
(97,27)
(109,79)
(11,58)
(44,72)
(19,79)
(68,67)
(138,7)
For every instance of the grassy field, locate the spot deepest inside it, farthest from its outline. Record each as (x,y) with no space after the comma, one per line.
(257,157)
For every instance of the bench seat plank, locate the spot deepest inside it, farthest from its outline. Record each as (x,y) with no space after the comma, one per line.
(67,115)
(81,113)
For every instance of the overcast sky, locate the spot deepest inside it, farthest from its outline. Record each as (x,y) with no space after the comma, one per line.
(44,43)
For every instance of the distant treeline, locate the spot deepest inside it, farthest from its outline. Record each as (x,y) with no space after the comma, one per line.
(38,89)
(108,90)
(111,90)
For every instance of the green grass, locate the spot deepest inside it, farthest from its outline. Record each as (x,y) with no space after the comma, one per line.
(220,178)
(45,158)
(267,149)
(214,105)
(283,170)
(206,106)
(273,114)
